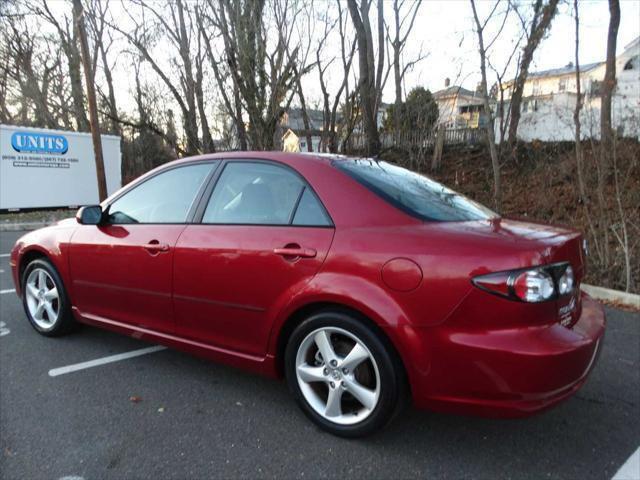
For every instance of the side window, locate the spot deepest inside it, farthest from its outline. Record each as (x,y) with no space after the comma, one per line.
(633,63)
(165,198)
(310,211)
(562,85)
(254,193)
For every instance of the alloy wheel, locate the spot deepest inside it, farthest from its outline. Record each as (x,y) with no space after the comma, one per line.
(337,375)
(43,299)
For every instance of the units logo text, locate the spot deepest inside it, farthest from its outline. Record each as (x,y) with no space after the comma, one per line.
(30,142)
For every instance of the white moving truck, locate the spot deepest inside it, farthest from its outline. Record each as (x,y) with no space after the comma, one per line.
(41,168)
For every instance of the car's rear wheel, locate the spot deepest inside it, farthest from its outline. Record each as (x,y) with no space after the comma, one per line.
(45,299)
(342,374)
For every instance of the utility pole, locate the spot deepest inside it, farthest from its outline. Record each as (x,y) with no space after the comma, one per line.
(78,13)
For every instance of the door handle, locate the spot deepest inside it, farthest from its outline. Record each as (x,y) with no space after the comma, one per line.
(154,246)
(295,251)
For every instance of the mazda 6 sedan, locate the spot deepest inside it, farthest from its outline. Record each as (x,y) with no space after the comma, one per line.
(364,284)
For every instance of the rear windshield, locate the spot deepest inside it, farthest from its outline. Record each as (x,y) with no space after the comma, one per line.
(413,193)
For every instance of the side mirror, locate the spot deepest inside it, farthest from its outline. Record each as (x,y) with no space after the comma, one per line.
(89,215)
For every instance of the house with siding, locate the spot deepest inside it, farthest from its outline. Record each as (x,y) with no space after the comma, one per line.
(294,135)
(549,99)
(459,108)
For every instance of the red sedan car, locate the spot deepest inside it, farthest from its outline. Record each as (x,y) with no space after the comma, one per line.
(364,284)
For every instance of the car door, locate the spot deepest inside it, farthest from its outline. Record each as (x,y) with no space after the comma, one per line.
(263,234)
(121,269)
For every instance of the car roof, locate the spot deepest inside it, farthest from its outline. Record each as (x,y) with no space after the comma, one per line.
(334,188)
(288,158)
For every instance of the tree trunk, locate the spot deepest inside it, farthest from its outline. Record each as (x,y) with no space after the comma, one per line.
(396,71)
(576,113)
(438,148)
(398,81)
(74,60)
(240,126)
(91,97)
(367,84)
(380,65)
(4,82)
(539,27)
(234,110)
(113,107)
(606,130)
(608,84)
(190,120)
(495,161)
(305,115)
(207,141)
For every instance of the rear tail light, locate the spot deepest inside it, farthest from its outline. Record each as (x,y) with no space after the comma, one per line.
(566,281)
(532,285)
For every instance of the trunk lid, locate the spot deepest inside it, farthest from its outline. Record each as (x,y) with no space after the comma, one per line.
(509,244)
(530,242)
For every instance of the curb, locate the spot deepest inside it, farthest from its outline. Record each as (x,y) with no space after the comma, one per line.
(600,293)
(22,226)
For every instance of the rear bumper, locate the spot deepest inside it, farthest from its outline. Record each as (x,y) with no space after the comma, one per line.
(508,373)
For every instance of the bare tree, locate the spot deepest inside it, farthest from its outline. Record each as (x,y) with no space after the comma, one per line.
(183,90)
(34,85)
(606,135)
(265,77)
(68,37)
(543,14)
(231,100)
(150,143)
(609,83)
(403,23)
(578,108)
(370,71)
(330,105)
(207,140)
(5,115)
(304,111)
(482,50)
(498,90)
(96,15)
(33,80)
(623,236)
(78,13)
(307,30)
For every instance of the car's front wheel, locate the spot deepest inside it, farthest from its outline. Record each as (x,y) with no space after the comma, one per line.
(45,299)
(342,374)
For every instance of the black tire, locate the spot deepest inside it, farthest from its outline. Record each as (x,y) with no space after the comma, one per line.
(65,322)
(393,391)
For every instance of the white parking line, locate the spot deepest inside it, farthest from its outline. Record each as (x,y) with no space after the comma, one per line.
(101,361)
(4,330)
(9,290)
(631,468)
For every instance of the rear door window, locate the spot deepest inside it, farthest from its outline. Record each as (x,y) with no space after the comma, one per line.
(310,211)
(259,193)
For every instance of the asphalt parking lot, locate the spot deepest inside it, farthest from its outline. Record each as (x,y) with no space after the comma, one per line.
(170,415)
